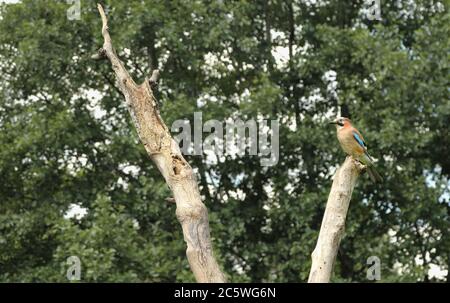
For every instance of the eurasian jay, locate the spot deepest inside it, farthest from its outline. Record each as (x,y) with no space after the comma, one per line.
(352,142)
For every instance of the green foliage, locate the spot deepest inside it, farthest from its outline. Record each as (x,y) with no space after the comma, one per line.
(67,138)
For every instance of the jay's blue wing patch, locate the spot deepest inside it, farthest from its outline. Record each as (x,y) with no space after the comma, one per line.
(359,139)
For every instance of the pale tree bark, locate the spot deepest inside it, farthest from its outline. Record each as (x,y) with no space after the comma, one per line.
(165,153)
(333,223)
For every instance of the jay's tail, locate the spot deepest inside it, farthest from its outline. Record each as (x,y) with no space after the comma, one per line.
(373,174)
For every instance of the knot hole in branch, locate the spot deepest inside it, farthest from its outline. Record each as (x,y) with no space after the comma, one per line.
(178,164)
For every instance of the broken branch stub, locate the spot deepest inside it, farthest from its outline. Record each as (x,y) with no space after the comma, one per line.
(333,222)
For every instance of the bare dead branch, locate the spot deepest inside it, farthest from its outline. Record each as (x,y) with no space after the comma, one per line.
(165,153)
(333,223)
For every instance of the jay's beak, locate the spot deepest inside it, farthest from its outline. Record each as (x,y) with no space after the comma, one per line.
(333,122)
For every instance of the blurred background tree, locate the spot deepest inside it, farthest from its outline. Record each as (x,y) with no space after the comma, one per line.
(76,181)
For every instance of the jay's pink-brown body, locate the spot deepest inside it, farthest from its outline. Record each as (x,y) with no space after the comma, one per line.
(353,144)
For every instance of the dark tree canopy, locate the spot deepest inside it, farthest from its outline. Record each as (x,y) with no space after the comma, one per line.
(67,139)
